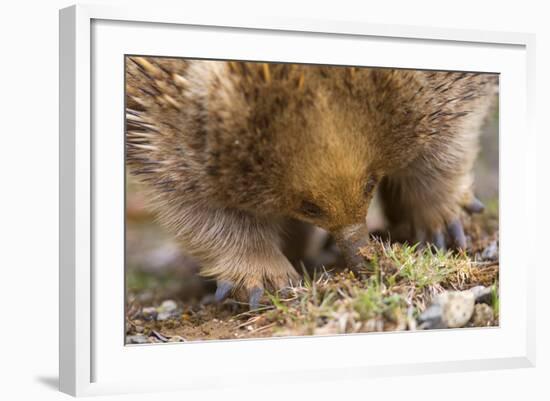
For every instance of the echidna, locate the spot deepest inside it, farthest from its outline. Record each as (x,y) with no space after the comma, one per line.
(233,153)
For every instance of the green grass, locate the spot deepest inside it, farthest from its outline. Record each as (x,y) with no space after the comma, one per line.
(372,302)
(422,268)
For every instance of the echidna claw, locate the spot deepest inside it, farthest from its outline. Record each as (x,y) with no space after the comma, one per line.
(456,234)
(223,290)
(475,206)
(438,241)
(254,295)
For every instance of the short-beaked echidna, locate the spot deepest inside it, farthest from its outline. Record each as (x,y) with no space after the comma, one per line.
(234,153)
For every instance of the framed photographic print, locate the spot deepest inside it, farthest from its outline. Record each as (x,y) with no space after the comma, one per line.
(237,195)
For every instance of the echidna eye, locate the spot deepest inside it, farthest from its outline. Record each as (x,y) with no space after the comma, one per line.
(370,185)
(310,209)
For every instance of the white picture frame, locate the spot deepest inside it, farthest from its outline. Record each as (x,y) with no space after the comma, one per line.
(94,360)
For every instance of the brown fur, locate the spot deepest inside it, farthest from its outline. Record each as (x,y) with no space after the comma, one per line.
(234,152)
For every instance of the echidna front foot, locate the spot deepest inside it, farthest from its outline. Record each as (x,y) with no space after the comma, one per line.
(224,288)
(249,282)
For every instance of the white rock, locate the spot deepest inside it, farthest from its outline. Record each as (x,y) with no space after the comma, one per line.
(168,306)
(450,309)
(457,307)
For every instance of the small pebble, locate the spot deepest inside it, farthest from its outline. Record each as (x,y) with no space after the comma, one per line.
(168,306)
(483,316)
(137,339)
(483,294)
(431,318)
(164,315)
(149,313)
(167,310)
